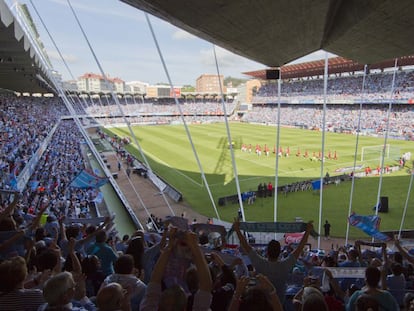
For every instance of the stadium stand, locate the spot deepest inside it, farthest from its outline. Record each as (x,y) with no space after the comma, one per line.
(58,252)
(72,214)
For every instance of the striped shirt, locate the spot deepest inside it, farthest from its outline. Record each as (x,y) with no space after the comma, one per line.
(21,300)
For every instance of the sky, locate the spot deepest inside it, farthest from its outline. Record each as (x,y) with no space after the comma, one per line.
(122,42)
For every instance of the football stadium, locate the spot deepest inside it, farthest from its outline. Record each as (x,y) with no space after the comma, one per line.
(290,191)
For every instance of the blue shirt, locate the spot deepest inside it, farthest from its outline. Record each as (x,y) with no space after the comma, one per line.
(106,255)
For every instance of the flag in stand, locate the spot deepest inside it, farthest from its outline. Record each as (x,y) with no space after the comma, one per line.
(368,224)
(87,179)
(33,184)
(13,179)
(99,198)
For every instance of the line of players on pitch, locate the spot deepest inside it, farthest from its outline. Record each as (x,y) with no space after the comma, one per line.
(286,152)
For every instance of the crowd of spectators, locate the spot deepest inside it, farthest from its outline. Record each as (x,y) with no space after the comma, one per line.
(24,124)
(56,254)
(105,110)
(339,118)
(376,89)
(161,107)
(74,267)
(342,116)
(343,95)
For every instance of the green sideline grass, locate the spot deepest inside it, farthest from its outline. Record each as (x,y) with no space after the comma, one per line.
(170,155)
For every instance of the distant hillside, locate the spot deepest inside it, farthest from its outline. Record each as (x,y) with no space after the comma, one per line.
(235,82)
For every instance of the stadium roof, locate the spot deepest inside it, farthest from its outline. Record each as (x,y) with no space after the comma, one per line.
(271,32)
(276,32)
(21,69)
(335,65)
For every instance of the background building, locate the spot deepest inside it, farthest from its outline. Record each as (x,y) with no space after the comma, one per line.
(136,87)
(91,82)
(210,83)
(119,85)
(252,86)
(158,91)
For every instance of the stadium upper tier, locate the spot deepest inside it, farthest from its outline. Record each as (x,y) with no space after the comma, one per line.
(377,89)
(27,121)
(340,118)
(108,107)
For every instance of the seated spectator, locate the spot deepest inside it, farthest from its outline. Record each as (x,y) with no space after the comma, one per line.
(47,259)
(91,268)
(124,275)
(398,258)
(13,296)
(366,303)
(383,297)
(59,292)
(112,297)
(259,295)
(396,283)
(312,299)
(311,286)
(352,260)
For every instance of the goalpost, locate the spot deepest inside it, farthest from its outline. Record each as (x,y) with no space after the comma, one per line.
(369,153)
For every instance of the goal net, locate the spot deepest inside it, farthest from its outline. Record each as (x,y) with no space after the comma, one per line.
(369,153)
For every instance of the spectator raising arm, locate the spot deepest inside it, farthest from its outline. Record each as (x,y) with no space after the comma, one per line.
(200,262)
(8,211)
(243,242)
(76,265)
(335,285)
(102,227)
(298,251)
(36,221)
(153,294)
(403,252)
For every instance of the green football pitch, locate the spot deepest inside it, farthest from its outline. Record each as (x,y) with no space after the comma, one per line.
(169,153)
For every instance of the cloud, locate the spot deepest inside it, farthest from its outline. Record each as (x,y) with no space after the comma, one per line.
(182,35)
(54,55)
(225,58)
(103,9)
